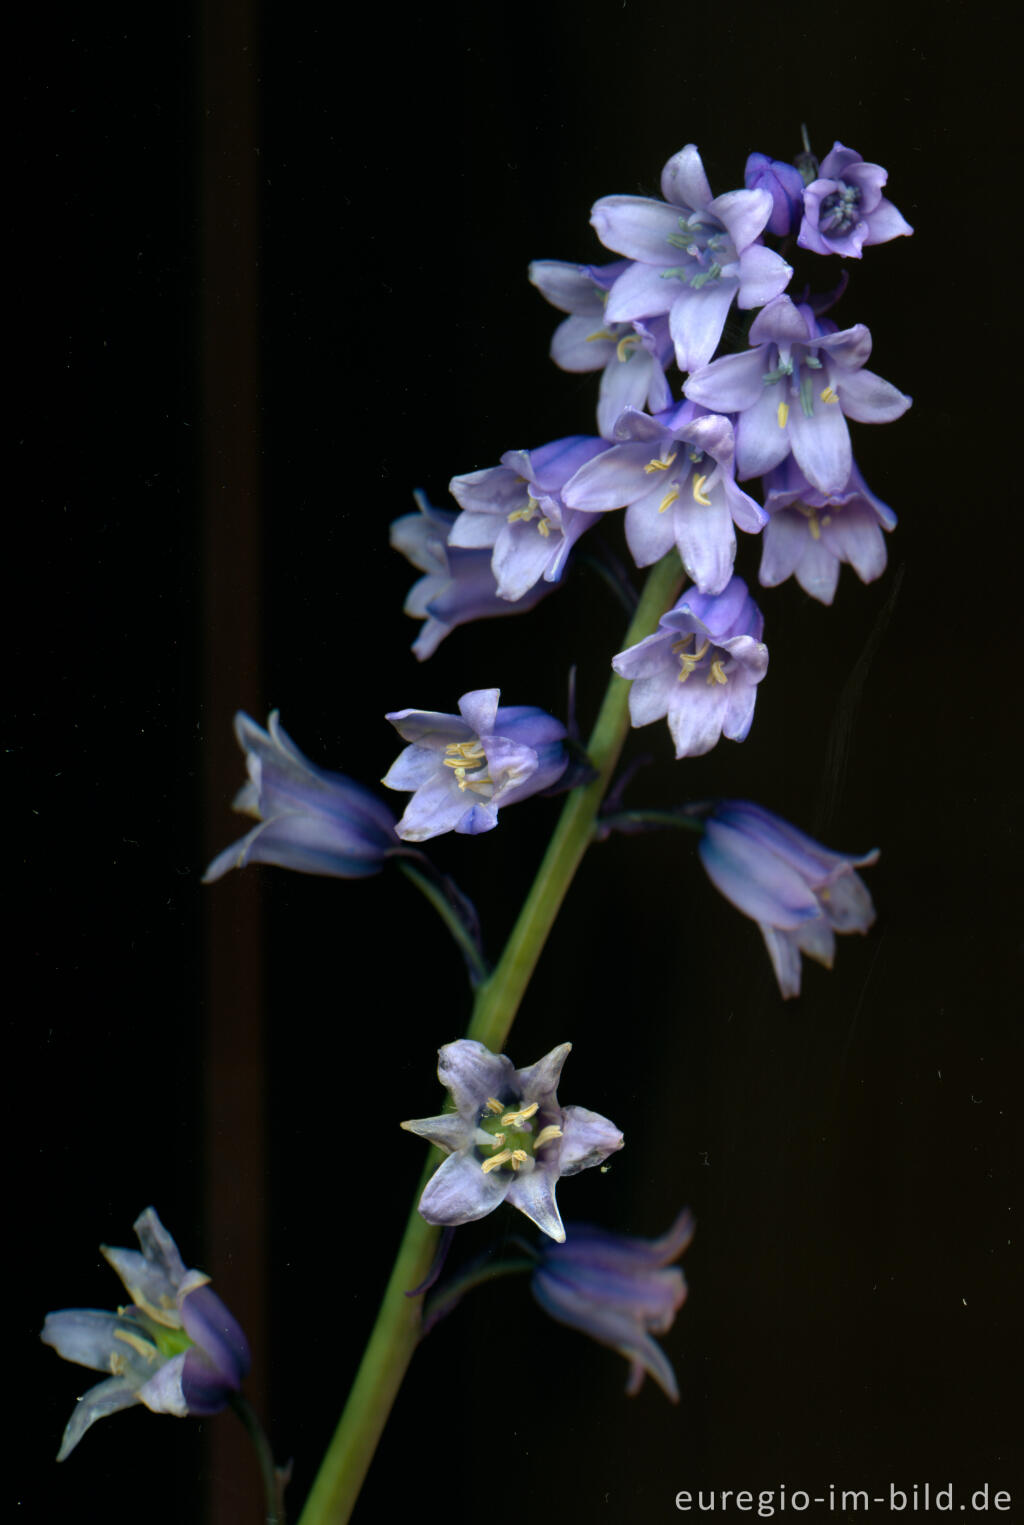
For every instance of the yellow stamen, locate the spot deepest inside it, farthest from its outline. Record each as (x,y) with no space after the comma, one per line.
(494,1105)
(625,346)
(140,1346)
(716,673)
(668,500)
(659,465)
(513,1119)
(814,527)
(699,495)
(495,1161)
(828,395)
(782,414)
(689,660)
(601,333)
(527,513)
(518,1156)
(546,1135)
(499,1139)
(544,525)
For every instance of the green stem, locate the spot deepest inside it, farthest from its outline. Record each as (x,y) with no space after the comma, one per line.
(273,1480)
(397,1330)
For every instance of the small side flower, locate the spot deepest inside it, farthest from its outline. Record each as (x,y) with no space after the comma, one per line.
(461,768)
(311,820)
(799,893)
(844,209)
(810,533)
(620,1291)
(508,1138)
(177,1349)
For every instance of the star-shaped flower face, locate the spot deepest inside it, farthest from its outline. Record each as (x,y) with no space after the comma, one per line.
(508,1138)
(844,208)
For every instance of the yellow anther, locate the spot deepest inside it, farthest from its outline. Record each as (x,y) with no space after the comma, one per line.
(513,1119)
(782,414)
(689,660)
(546,1135)
(626,345)
(118,1364)
(518,1156)
(140,1346)
(814,527)
(668,500)
(527,513)
(496,1160)
(828,395)
(601,333)
(699,495)
(545,527)
(660,465)
(826,519)
(493,1105)
(716,673)
(499,1139)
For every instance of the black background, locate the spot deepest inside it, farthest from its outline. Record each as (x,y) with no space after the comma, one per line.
(341,214)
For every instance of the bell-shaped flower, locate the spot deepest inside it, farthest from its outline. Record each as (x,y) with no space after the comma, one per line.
(693,256)
(810,532)
(844,208)
(508,1138)
(799,893)
(620,1291)
(516,509)
(784,183)
(700,668)
(794,390)
(176,1349)
(631,357)
(674,476)
(458,587)
(461,768)
(311,820)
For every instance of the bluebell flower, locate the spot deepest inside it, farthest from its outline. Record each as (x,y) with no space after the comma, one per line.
(461,768)
(700,668)
(458,587)
(176,1349)
(810,532)
(631,357)
(693,256)
(793,390)
(619,1291)
(784,183)
(799,893)
(844,209)
(311,820)
(674,475)
(508,1138)
(516,509)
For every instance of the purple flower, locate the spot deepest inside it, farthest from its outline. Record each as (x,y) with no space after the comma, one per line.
(693,256)
(177,1349)
(784,183)
(675,477)
(462,767)
(619,1291)
(459,586)
(631,356)
(794,390)
(311,820)
(844,208)
(516,509)
(797,891)
(810,532)
(701,668)
(508,1137)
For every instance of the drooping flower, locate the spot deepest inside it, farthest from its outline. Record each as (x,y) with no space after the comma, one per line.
(619,1291)
(799,893)
(794,390)
(631,356)
(508,1138)
(810,532)
(674,476)
(844,208)
(177,1349)
(461,768)
(784,183)
(458,587)
(693,256)
(311,820)
(701,668)
(516,509)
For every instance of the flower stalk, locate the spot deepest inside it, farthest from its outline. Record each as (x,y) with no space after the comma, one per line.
(399,1322)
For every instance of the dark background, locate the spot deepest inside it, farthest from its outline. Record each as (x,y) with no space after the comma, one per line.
(273,278)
